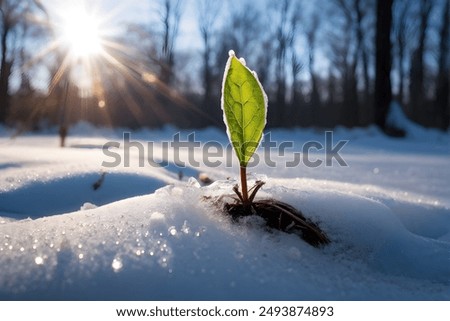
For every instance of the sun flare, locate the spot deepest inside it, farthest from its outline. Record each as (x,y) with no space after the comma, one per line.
(96,65)
(80,32)
(81,36)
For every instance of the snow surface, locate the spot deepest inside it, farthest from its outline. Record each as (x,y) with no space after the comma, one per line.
(145,235)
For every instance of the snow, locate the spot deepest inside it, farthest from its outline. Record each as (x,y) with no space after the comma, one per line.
(145,235)
(398,119)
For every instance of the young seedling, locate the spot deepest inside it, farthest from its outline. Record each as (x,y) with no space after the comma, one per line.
(244,105)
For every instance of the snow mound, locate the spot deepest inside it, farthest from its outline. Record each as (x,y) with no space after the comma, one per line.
(176,245)
(398,119)
(69,193)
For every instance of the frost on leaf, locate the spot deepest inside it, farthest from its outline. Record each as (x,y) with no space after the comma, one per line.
(244,103)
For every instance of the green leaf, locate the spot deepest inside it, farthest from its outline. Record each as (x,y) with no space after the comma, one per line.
(244,105)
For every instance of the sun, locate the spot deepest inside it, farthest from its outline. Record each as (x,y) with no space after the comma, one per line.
(80,33)
(81,44)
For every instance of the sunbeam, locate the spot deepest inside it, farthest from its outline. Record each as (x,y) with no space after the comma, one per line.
(108,79)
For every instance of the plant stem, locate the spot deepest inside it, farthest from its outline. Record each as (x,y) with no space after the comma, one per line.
(245,199)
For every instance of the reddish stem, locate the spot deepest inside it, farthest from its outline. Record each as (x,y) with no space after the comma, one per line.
(245,199)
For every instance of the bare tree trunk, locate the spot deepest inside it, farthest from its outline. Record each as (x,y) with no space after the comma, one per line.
(5,72)
(350,106)
(288,15)
(402,75)
(170,18)
(331,86)
(296,67)
(383,91)
(351,101)
(443,81)
(314,96)
(280,72)
(208,11)
(401,27)
(207,72)
(416,88)
(361,50)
